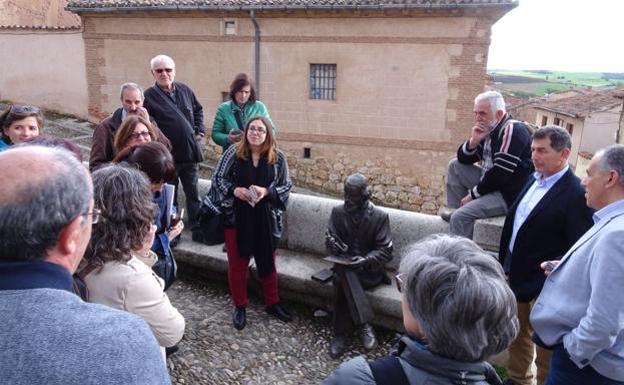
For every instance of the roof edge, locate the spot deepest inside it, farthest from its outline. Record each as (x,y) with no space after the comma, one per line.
(297,7)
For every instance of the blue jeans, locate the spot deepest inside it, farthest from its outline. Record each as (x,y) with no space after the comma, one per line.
(565,372)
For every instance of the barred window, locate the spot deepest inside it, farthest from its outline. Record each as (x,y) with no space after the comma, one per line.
(323,81)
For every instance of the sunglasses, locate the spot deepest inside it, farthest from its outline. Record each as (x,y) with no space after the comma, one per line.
(24,108)
(399,282)
(161,70)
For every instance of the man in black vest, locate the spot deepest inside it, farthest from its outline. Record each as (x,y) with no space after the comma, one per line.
(548,217)
(181,118)
(359,233)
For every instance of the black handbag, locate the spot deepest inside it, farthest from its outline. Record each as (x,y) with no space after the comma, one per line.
(210,229)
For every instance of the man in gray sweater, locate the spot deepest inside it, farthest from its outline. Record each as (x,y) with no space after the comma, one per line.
(48,334)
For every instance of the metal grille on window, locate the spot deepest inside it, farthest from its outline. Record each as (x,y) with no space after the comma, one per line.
(323,81)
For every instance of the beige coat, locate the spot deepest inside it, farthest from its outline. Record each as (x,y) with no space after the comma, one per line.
(134,287)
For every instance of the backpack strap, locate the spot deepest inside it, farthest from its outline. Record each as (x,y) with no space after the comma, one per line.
(388,370)
(239,121)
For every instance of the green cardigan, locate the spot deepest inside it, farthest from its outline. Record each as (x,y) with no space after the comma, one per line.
(224,120)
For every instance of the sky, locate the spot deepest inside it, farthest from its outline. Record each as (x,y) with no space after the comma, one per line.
(563,35)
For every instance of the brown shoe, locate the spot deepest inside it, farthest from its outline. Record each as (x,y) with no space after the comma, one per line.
(445,213)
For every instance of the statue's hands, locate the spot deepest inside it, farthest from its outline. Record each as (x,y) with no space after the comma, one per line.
(358,261)
(330,244)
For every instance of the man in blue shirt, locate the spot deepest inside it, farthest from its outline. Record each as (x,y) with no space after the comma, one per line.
(49,335)
(580,311)
(547,218)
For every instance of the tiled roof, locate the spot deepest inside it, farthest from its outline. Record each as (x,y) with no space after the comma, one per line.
(42,27)
(580,106)
(113,5)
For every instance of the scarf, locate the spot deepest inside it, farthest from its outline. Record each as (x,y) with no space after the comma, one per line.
(254,235)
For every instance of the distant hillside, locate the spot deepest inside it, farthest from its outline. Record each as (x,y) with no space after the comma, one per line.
(540,82)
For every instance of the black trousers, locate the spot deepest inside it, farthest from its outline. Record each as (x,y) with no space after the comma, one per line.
(351,307)
(188,175)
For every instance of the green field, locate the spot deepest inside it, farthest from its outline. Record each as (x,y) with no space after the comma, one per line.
(536,83)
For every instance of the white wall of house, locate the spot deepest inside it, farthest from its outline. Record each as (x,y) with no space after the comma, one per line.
(45,68)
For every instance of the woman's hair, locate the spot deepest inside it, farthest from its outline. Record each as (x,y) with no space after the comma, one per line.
(459,296)
(124,197)
(269,146)
(152,158)
(242,80)
(18,112)
(125,131)
(54,142)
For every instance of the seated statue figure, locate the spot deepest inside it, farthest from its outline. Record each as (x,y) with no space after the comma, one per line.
(359,243)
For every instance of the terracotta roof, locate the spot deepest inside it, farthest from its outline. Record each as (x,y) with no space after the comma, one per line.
(116,5)
(580,106)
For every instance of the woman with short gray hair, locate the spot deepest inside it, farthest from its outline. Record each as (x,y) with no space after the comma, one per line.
(457,311)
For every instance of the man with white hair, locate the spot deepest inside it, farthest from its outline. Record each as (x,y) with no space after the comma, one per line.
(580,311)
(502,146)
(181,118)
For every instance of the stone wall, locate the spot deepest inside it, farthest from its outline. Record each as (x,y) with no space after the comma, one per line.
(405,84)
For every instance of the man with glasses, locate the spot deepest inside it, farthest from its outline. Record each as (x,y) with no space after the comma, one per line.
(49,335)
(102,148)
(181,117)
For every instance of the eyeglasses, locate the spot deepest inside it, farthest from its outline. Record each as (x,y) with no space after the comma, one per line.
(95,215)
(142,134)
(258,130)
(160,70)
(399,282)
(24,108)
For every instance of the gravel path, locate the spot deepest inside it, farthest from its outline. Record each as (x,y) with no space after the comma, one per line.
(267,351)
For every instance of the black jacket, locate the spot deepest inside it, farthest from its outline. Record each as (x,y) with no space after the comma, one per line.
(552,227)
(510,156)
(185,147)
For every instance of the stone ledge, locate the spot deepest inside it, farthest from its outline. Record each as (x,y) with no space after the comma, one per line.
(303,246)
(295,270)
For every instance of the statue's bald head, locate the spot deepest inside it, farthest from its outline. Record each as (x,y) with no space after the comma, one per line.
(41,191)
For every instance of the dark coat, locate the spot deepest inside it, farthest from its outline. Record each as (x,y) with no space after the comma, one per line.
(102,148)
(185,141)
(371,238)
(552,227)
(511,159)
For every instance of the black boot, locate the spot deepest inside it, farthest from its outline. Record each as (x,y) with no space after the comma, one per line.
(276,310)
(239,318)
(337,346)
(369,341)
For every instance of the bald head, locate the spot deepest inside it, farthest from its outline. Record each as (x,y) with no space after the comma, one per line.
(41,191)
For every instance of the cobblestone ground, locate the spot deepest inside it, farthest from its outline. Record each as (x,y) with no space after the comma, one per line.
(267,351)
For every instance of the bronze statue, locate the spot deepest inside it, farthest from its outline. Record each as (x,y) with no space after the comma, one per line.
(359,243)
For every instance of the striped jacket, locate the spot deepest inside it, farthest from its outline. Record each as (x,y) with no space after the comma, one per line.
(506,159)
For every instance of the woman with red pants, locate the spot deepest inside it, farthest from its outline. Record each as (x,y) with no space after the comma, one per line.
(250,186)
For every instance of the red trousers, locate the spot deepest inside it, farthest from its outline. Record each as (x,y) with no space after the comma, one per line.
(237,275)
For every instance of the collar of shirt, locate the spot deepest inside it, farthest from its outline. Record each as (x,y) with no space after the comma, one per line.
(24,275)
(609,211)
(548,182)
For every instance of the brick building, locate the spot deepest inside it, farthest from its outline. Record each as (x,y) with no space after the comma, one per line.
(384,87)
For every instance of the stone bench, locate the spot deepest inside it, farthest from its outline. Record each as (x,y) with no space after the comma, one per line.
(302,249)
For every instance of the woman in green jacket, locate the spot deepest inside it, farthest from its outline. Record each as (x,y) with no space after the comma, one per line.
(232,115)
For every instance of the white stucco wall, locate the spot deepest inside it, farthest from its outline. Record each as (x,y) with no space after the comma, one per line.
(44,68)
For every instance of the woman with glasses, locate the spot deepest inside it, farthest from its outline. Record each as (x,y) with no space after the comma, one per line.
(116,266)
(232,115)
(250,187)
(133,130)
(458,310)
(156,162)
(19,123)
